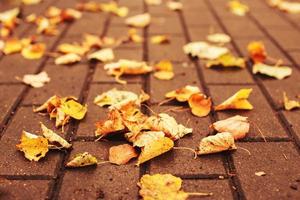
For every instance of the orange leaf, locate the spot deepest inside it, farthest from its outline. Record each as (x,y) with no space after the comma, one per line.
(121,154)
(257,51)
(200,104)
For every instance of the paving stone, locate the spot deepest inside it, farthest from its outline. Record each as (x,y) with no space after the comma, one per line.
(165,25)
(106,181)
(13,162)
(296,56)
(199,18)
(277,160)
(199,33)
(287,38)
(269,126)
(293,118)
(23,189)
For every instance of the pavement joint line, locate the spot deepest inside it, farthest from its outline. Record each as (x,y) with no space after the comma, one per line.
(27,177)
(203,176)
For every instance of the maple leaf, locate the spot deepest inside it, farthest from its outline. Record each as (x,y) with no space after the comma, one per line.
(34,147)
(121,154)
(140,21)
(53,137)
(237,101)
(36,80)
(154,149)
(237,125)
(290,104)
(200,105)
(90,41)
(216,143)
(12,45)
(278,72)
(82,160)
(72,48)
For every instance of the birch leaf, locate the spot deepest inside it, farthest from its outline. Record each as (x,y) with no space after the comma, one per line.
(82,160)
(139,21)
(154,149)
(36,80)
(103,55)
(216,143)
(290,104)
(200,105)
(33,146)
(278,72)
(227,60)
(237,101)
(183,94)
(121,154)
(69,58)
(53,137)
(74,109)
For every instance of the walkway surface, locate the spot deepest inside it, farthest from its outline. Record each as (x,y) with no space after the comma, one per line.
(229,175)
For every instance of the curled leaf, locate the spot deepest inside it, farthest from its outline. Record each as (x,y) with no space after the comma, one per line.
(237,101)
(140,21)
(69,58)
(226,60)
(34,147)
(53,137)
(103,55)
(183,94)
(82,160)
(216,143)
(237,125)
(36,80)
(290,104)
(278,72)
(200,105)
(74,109)
(121,154)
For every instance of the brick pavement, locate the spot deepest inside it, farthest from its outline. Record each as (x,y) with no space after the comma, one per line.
(229,175)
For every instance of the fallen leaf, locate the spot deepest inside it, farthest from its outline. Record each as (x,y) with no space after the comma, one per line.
(112,7)
(183,94)
(103,55)
(44,26)
(164,70)
(31,2)
(154,149)
(227,60)
(90,41)
(72,48)
(82,159)
(74,109)
(290,104)
(34,147)
(146,137)
(54,138)
(161,187)
(12,45)
(200,105)
(36,80)
(174,5)
(278,72)
(260,173)
(134,37)
(220,38)
(237,101)
(70,14)
(257,51)
(238,8)
(121,154)
(89,6)
(167,124)
(34,51)
(66,59)
(139,21)
(237,125)
(160,39)
(286,6)
(153,2)
(8,18)
(216,143)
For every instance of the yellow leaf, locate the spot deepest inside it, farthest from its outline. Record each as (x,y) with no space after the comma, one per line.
(200,105)
(153,2)
(134,37)
(227,60)
(290,104)
(90,6)
(278,72)
(154,149)
(238,8)
(140,21)
(146,137)
(69,58)
(34,51)
(72,48)
(82,159)
(287,6)
(164,70)
(103,55)
(74,109)
(90,40)
(237,125)
(183,94)
(121,154)
(237,101)
(220,38)
(36,80)
(12,45)
(31,2)
(216,143)
(174,5)
(161,187)
(160,39)
(33,146)
(53,137)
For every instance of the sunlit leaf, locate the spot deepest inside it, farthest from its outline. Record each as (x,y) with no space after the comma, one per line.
(200,105)
(183,94)
(66,59)
(140,21)
(82,160)
(103,55)
(278,72)
(34,51)
(220,38)
(290,104)
(54,138)
(121,154)
(227,60)
(36,80)
(74,109)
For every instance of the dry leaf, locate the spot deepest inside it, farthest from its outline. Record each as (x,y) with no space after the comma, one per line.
(31,2)
(161,187)
(90,41)
(66,48)
(69,58)
(54,138)
(216,143)
(204,50)
(164,70)
(153,2)
(134,37)
(34,147)
(139,21)
(44,26)
(200,105)
(147,137)
(82,159)
(34,51)
(36,80)
(121,154)
(160,39)
(237,101)
(74,109)
(154,149)
(89,6)
(290,104)
(70,14)
(226,60)
(174,5)
(113,7)
(12,45)
(8,18)
(286,6)
(167,124)
(183,94)
(257,51)
(238,8)
(237,125)
(220,38)
(278,72)
(103,55)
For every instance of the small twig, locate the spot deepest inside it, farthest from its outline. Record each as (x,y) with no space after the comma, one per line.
(263,136)
(51,146)
(202,194)
(99,138)
(187,148)
(146,106)
(166,101)
(284,156)
(245,150)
